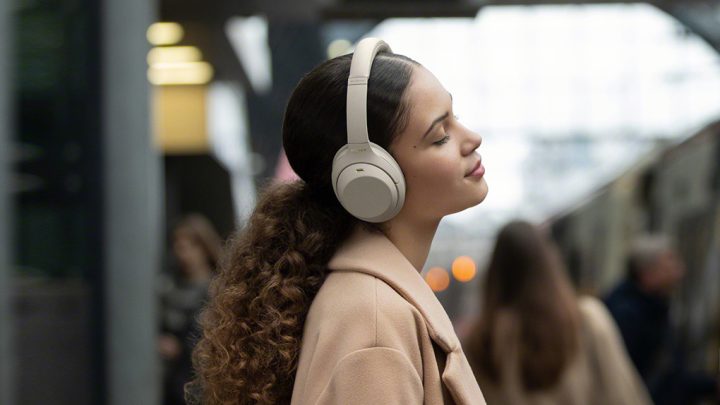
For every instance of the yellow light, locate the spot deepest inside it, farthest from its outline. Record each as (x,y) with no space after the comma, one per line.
(180,119)
(174,54)
(163,74)
(338,47)
(438,279)
(464,269)
(165,33)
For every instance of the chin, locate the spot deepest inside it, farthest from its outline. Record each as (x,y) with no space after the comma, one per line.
(483,190)
(479,193)
(472,198)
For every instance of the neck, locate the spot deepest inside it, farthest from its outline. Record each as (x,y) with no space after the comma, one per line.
(655,292)
(412,238)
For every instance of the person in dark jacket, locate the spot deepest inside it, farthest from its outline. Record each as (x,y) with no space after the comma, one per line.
(196,246)
(641,307)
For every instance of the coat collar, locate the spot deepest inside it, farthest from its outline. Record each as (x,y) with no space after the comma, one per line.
(374,254)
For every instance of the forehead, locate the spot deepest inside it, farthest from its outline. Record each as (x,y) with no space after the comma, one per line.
(427,99)
(426,90)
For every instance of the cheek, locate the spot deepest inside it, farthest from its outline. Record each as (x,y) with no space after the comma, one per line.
(437,172)
(197,252)
(433,182)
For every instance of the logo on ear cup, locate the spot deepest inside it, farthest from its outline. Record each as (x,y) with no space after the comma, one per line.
(367,192)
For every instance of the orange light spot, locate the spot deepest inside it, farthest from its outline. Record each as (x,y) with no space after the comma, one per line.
(464,269)
(438,279)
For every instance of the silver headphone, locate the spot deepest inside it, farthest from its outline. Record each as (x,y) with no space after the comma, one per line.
(366,179)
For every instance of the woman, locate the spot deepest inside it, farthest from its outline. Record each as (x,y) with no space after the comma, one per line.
(196,246)
(316,306)
(535,342)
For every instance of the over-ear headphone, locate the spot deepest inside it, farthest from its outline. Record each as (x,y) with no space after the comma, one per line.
(366,179)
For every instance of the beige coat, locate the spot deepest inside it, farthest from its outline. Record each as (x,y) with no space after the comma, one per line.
(376,334)
(601,373)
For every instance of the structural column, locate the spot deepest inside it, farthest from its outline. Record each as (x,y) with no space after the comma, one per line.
(132,213)
(7,385)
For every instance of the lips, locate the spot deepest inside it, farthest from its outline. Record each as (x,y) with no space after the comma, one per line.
(474,168)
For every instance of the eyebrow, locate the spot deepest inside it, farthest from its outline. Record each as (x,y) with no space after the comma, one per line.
(438,120)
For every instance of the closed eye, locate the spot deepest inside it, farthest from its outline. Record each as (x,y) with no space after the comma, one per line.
(442,141)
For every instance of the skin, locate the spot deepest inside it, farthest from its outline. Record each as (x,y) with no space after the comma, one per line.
(663,275)
(193,262)
(435,167)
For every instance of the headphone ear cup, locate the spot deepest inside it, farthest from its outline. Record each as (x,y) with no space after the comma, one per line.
(368,183)
(367,192)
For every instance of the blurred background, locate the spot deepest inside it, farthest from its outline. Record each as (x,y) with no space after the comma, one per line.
(134,131)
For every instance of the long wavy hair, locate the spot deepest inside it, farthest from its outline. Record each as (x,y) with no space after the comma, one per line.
(252,326)
(526,279)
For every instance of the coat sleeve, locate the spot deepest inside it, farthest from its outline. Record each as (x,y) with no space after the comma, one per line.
(378,375)
(619,380)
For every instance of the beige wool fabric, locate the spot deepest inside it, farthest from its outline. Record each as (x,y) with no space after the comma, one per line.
(376,334)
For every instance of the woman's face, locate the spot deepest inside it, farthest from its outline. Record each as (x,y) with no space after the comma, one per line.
(437,154)
(189,253)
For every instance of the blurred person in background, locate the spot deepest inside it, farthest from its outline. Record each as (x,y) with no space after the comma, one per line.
(317,306)
(535,342)
(196,247)
(640,305)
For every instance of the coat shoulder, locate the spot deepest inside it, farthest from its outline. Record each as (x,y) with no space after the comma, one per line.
(595,313)
(364,305)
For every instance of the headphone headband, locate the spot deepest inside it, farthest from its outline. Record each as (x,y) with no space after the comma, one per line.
(365,52)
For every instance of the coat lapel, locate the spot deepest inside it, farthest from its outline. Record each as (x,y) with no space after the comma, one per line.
(374,254)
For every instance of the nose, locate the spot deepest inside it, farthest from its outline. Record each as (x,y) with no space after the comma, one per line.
(472,143)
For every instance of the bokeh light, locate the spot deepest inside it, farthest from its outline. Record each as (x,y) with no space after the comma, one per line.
(174,54)
(165,33)
(464,269)
(438,279)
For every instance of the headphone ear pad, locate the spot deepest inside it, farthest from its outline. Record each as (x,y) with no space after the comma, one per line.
(391,166)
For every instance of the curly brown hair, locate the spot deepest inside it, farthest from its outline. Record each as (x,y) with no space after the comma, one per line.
(252,326)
